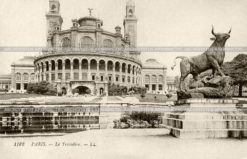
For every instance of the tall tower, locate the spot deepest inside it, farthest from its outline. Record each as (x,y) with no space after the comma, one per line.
(130,23)
(53,18)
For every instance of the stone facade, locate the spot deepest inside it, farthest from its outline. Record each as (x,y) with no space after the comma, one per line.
(154,77)
(99,60)
(101,57)
(5,83)
(22,73)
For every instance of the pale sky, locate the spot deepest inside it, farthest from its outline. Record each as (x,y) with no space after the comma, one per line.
(160,23)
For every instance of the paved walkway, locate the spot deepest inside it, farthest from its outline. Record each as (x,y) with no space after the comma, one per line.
(124,144)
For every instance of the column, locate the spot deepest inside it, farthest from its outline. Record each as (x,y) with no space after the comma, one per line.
(113,73)
(71,71)
(49,63)
(44,71)
(106,70)
(40,73)
(80,72)
(120,73)
(89,71)
(56,71)
(126,75)
(63,71)
(22,87)
(97,68)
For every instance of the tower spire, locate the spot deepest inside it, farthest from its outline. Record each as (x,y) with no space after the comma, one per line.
(130,23)
(53,18)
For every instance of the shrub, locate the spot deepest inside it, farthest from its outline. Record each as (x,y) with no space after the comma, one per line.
(114,89)
(145,116)
(138,90)
(41,88)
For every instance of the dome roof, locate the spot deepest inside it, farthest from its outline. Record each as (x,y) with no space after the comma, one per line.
(130,3)
(25,61)
(89,21)
(153,63)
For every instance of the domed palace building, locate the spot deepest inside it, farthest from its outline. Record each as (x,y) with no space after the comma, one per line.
(87,57)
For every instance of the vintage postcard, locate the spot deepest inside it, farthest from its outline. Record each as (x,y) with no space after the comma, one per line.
(137,79)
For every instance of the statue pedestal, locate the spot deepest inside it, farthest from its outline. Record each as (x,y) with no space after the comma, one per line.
(207,118)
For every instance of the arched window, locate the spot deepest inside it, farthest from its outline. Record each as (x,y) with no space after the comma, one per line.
(154,79)
(25,77)
(47,65)
(32,77)
(67,64)
(123,67)
(161,79)
(87,42)
(130,12)
(59,64)
(102,65)
(53,65)
(147,79)
(93,64)
(133,71)
(129,68)
(66,43)
(107,43)
(17,76)
(42,67)
(109,65)
(84,64)
(76,64)
(117,66)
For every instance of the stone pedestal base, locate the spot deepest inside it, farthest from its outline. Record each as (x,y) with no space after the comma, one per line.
(211,124)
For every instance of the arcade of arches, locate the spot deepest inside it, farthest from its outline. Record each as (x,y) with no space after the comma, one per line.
(100,71)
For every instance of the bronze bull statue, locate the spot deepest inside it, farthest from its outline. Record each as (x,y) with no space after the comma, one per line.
(212,58)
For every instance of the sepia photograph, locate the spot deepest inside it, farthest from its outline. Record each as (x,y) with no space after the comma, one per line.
(136,79)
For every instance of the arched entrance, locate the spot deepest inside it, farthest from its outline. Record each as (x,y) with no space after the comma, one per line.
(101,90)
(83,90)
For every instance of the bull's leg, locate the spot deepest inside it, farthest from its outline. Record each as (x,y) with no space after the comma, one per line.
(181,84)
(216,66)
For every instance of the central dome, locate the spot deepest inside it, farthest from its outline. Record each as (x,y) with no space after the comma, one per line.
(90,21)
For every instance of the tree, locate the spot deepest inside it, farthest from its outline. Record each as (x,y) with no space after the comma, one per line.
(41,88)
(237,69)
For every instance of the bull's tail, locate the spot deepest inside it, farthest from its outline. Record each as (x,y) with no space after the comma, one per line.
(178,57)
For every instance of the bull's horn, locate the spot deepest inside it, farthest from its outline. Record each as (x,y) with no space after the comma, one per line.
(230,30)
(213,30)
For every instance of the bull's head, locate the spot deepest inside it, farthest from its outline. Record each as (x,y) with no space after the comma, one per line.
(220,36)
